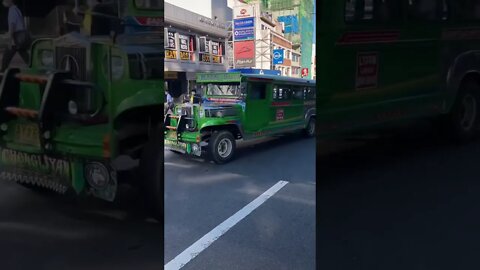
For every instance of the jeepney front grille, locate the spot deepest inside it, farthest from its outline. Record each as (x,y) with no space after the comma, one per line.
(73,59)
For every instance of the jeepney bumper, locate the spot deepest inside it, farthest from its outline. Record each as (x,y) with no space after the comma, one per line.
(59,174)
(186,143)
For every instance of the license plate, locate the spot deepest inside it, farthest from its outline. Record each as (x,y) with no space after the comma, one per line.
(27,134)
(172,135)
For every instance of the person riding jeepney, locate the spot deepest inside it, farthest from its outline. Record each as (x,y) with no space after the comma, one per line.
(195,98)
(95,18)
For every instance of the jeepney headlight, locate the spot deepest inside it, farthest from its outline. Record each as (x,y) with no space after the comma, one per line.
(195,148)
(46,58)
(72,107)
(4,127)
(97,175)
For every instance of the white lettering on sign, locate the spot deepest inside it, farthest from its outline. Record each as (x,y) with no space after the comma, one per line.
(367,71)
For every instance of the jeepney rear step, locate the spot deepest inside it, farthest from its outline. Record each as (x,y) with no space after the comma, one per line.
(31,78)
(171,128)
(175,116)
(22,112)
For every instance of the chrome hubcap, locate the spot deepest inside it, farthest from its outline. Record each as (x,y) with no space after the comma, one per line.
(468,113)
(224,148)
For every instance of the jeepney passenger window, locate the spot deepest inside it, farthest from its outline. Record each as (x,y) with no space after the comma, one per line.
(428,10)
(466,10)
(371,10)
(298,93)
(258,91)
(287,92)
(310,93)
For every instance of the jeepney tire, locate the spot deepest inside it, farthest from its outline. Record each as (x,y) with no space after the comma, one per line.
(215,140)
(309,131)
(151,172)
(456,129)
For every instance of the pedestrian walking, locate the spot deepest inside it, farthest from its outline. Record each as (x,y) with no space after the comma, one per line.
(20,39)
(170,103)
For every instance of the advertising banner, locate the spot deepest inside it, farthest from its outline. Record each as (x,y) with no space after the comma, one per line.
(278,57)
(244,23)
(243,12)
(244,53)
(244,34)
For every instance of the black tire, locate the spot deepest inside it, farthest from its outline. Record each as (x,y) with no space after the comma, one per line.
(151,172)
(226,139)
(462,123)
(310,128)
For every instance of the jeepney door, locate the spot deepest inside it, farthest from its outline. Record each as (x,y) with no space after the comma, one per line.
(256,107)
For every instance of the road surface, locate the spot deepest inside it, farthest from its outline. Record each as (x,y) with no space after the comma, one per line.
(279,234)
(404,202)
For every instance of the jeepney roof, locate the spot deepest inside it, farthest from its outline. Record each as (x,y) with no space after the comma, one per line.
(279,78)
(237,77)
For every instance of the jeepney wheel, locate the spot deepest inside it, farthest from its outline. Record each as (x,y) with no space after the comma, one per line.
(463,120)
(310,129)
(221,147)
(151,170)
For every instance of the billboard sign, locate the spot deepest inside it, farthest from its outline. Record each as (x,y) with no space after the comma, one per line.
(304,72)
(244,53)
(278,57)
(243,23)
(244,34)
(243,12)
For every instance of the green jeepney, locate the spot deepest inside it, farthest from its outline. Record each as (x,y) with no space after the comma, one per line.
(86,109)
(239,106)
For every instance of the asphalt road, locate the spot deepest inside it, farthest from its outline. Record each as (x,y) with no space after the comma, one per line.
(280,234)
(409,201)
(44,231)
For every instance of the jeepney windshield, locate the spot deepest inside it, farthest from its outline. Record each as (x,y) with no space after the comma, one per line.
(148,66)
(225,89)
(149,4)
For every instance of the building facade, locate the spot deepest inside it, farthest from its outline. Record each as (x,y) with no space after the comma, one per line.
(194,43)
(269,48)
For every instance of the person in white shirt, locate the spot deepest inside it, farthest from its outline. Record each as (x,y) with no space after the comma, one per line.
(170,103)
(18,34)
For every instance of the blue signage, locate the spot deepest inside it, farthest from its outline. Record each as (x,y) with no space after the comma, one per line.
(278,56)
(256,71)
(244,34)
(291,24)
(244,23)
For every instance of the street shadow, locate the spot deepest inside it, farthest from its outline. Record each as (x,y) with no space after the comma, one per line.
(388,147)
(62,232)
